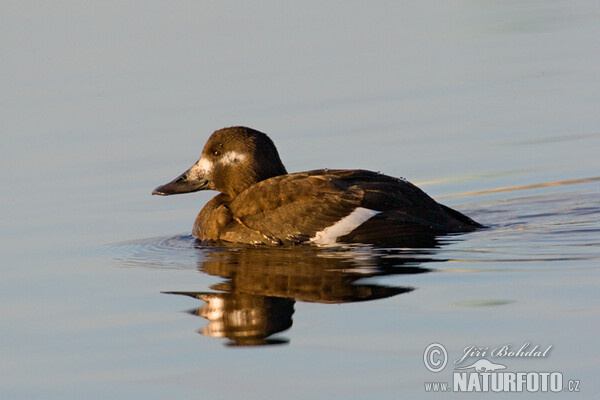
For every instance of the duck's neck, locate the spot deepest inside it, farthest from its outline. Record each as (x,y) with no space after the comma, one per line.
(252,176)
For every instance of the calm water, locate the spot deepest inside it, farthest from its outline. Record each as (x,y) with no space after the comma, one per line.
(490,108)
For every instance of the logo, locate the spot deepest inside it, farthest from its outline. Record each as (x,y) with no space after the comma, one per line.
(484,365)
(475,372)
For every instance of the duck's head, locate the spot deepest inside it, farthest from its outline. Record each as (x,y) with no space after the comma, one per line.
(232,160)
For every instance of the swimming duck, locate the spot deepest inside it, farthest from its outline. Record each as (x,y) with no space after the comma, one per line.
(260,203)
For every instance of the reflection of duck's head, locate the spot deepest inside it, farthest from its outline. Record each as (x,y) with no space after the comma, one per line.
(246,320)
(261,204)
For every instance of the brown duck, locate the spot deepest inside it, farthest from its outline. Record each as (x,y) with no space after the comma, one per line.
(260,203)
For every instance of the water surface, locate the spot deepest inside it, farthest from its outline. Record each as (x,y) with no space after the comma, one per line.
(491,108)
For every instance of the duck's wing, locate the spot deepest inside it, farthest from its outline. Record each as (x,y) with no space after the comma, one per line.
(326,205)
(293,208)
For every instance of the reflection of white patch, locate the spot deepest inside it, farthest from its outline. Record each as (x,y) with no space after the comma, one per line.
(202,168)
(344,226)
(232,157)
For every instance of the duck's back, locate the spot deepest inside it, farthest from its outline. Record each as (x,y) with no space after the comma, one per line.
(326,206)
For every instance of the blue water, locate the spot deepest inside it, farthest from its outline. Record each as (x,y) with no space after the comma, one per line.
(491,108)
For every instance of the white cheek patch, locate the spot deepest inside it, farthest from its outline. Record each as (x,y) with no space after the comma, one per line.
(344,226)
(232,157)
(202,168)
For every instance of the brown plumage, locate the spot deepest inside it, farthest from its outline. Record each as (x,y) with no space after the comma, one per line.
(260,203)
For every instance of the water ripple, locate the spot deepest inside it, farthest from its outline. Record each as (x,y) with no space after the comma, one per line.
(179,251)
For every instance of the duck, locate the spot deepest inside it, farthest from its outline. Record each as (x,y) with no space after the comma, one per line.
(260,203)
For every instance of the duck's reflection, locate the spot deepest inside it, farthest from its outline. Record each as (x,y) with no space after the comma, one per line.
(245,319)
(261,285)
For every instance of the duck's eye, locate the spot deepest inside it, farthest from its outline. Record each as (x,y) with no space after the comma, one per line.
(216,153)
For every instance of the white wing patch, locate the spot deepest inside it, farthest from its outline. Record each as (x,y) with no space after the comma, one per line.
(344,226)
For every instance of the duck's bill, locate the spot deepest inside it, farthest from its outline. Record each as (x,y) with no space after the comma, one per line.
(184,183)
